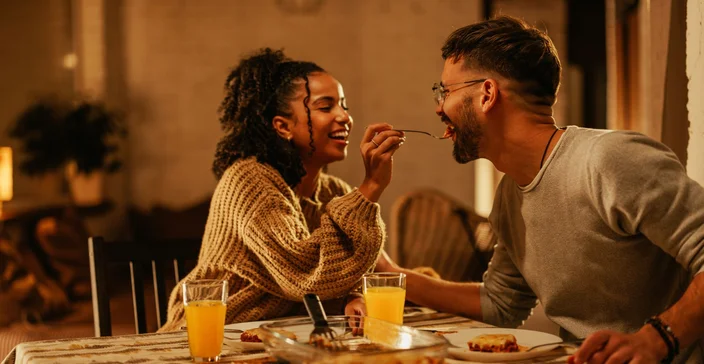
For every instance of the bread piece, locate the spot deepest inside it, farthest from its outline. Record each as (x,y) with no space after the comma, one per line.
(496,343)
(255,335)
(252,336)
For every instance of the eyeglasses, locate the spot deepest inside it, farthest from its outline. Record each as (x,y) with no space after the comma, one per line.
(440,91)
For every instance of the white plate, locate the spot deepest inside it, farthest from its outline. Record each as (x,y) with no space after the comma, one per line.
(232,339)
(523,337)
(243,346)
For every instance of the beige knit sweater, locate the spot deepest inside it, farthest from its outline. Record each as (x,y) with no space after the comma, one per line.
(273,246)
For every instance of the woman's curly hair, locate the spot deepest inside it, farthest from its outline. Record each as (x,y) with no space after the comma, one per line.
(258,89)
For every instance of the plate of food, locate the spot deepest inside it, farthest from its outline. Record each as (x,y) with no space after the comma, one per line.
(491,345)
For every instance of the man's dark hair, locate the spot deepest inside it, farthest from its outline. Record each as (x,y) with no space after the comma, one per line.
(511,48)
(258,89)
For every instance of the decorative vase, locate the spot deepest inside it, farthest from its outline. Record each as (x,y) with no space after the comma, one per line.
(85,189)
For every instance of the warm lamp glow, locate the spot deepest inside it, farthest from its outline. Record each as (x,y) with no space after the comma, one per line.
(70,61)
(5,174)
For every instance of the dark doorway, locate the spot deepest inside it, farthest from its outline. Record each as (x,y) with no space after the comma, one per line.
(586,48)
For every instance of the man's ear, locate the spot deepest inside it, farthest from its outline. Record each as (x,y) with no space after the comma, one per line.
(283,127)
(490,95)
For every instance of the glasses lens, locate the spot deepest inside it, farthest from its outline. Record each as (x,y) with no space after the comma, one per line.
(438,93)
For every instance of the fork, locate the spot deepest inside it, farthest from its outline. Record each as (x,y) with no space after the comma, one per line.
(575,343)
(422,132)
(322,330)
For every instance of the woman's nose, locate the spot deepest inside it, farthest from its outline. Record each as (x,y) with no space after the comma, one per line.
(343,117)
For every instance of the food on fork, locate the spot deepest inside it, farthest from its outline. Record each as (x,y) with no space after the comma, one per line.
(320,341)
(255,335)
(449,132)
(494,343)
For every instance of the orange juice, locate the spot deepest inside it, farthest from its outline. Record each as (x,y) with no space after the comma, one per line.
(206,327)
(385,303)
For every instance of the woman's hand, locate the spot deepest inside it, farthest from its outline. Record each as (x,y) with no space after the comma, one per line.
(356,307)
(378,146)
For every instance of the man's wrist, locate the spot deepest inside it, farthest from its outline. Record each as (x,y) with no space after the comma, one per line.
(656,341)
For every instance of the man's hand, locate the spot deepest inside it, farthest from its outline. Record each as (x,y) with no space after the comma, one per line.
(644,346)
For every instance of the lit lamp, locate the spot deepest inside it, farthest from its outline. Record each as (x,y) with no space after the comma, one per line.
(5,175)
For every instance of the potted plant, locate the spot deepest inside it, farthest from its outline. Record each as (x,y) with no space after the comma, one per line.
(77,137)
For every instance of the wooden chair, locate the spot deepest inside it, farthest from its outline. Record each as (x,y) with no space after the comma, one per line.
(430,228)
(138,254)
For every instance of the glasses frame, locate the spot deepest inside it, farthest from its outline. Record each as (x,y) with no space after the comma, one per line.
(440,91)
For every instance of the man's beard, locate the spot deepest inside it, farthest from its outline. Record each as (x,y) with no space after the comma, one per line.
(468,133)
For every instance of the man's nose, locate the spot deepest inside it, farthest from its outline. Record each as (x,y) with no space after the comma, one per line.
(438,109)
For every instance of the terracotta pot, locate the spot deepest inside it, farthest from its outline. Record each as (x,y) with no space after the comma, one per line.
(85,189)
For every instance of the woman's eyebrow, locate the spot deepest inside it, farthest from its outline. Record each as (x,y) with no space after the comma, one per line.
(324,98)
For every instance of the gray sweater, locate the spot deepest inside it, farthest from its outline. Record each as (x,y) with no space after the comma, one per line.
(609,233)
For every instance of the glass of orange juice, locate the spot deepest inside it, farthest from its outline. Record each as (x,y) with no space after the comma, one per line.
(385,295)
(205,302)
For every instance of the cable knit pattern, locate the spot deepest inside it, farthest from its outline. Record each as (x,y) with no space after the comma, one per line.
(273,246)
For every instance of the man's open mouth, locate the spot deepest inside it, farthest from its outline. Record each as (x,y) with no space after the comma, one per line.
(449,131)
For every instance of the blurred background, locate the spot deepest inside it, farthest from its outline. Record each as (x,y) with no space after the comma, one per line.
(161,65)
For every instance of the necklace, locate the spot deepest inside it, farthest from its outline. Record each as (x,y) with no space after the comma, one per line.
(547,147)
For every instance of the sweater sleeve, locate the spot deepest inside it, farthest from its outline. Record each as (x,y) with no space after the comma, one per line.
(641,188)
(505,297)
(330,261)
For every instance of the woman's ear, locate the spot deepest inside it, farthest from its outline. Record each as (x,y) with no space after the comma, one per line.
(283,127)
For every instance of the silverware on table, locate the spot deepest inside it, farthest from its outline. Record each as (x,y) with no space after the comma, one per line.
(574,343)
(322,335)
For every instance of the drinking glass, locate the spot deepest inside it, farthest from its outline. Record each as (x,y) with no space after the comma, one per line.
(205,303)
(385,295)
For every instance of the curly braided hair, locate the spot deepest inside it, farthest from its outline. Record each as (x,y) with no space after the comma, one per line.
(261,87)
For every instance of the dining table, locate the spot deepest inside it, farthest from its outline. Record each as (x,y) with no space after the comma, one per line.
(172,347)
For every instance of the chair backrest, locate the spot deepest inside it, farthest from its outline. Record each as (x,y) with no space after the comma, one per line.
(138,255)
(430,228)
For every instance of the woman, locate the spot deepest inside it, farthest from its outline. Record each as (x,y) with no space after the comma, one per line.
(279,227)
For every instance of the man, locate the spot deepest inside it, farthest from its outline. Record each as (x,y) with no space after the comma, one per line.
(604,228)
